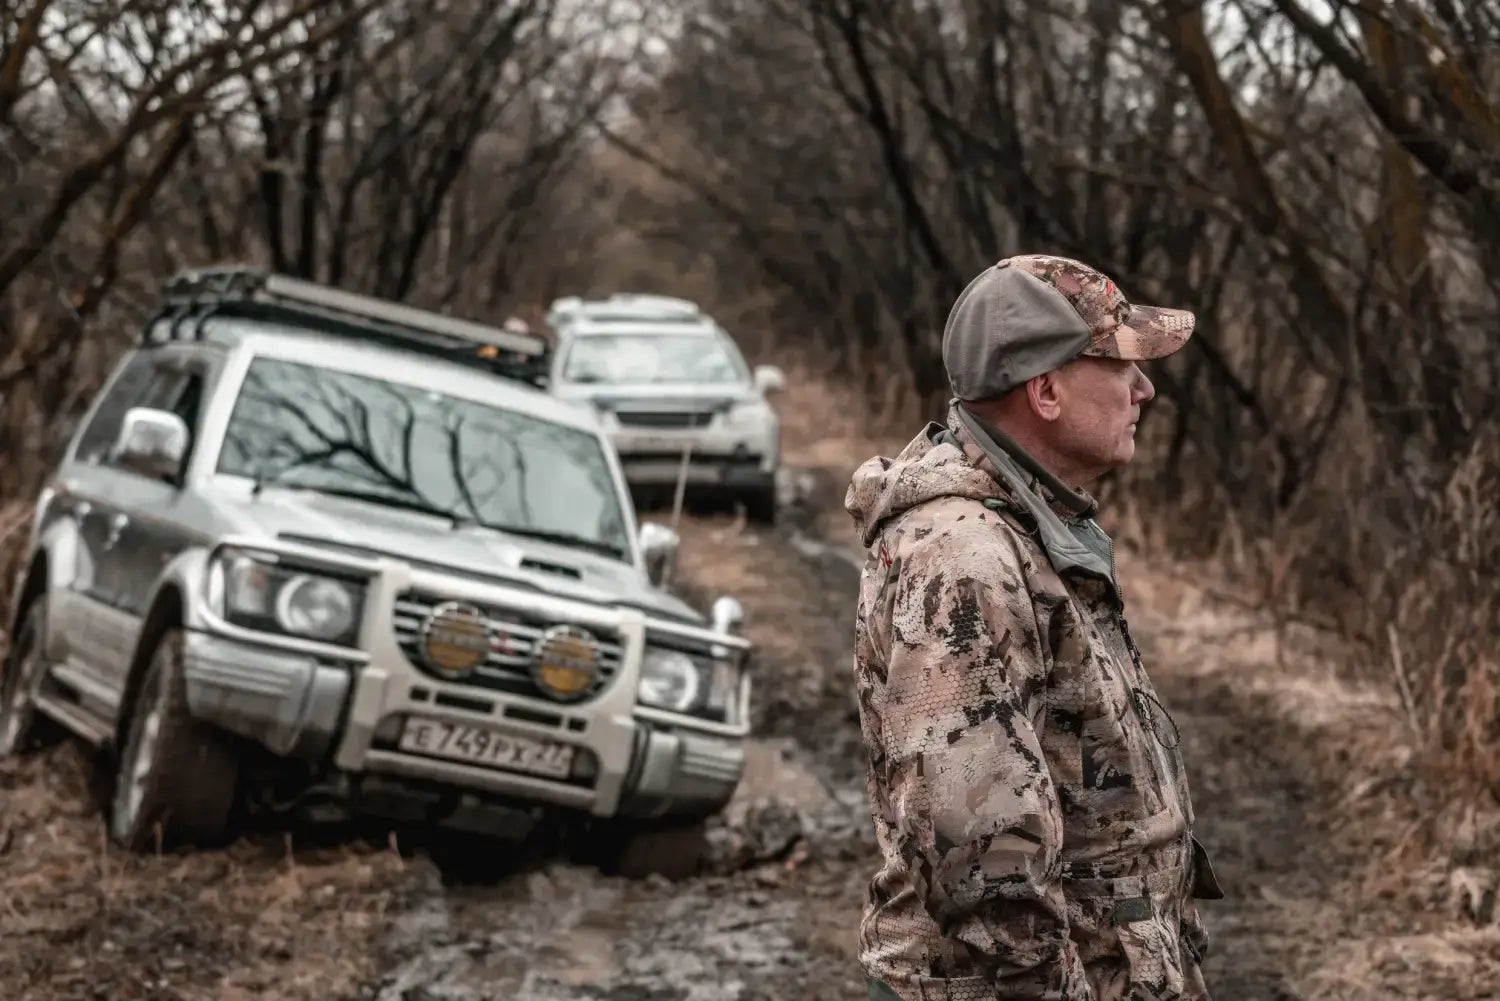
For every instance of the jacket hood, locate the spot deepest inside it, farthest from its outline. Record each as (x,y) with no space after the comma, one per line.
(926,469)
(968,461)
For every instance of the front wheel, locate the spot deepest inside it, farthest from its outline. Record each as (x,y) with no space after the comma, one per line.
(760,504)
(675,850)
(177,776)
(22,727)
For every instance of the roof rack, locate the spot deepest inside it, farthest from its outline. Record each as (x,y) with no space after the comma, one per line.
(191,297)
(623,307)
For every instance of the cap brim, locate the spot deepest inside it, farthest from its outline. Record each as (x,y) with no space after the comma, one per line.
(1150,332)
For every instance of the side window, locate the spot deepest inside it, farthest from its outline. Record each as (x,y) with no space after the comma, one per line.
(184,397)
(125,391)
(176,389)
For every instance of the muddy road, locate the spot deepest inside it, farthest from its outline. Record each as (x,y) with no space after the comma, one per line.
(1283,757)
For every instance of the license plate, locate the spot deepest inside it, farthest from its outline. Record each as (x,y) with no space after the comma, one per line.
(656,443)
(478,745)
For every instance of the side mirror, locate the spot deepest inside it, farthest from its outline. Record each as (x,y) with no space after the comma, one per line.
(151,442)
(727,615)
(659,543)
(769,378)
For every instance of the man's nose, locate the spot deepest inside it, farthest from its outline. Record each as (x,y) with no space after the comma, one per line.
(1144,391)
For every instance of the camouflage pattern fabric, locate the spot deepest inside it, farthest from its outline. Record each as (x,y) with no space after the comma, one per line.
(1118,328)
(1029,799)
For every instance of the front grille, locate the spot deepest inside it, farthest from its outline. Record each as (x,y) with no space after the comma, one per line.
(716,460)
(665,418)
(514,634)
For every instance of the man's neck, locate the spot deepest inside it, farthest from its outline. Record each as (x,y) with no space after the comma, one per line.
(1066,472)
(1064,492)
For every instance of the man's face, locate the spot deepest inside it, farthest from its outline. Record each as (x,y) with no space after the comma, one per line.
(1100,403)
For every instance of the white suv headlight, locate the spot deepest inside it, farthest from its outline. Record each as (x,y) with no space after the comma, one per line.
(316,607)
(704,684)
(271,596)
(747,415)
(669,680)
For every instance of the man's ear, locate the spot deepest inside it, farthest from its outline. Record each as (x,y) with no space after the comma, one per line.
(1044,396)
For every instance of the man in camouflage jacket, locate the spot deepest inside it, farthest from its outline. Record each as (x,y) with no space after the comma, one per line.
(1028,794)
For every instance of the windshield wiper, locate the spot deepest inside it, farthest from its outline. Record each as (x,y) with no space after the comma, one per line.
(265,478)
(418,506)
(561,538)
(399,503)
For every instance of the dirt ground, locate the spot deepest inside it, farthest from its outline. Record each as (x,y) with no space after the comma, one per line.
(1301,784)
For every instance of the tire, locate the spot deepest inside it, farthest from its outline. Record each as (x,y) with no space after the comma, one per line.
(176,776)
(676,851)
(760,504)
(22,727)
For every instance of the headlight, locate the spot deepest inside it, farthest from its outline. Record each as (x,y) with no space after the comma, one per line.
(316,607)
(703,684)
(270,596)
(669,680)
(748,415)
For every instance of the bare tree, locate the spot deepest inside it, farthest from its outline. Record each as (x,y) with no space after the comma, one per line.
(1320,186)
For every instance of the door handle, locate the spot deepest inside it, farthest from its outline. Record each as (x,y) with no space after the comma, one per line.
(116,526)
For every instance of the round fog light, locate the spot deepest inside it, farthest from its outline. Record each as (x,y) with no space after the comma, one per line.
(566,663)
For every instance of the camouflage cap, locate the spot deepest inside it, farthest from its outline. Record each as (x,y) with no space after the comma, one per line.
(1033,313)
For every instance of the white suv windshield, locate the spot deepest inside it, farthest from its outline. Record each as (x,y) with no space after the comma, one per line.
(652,357)
(316,428)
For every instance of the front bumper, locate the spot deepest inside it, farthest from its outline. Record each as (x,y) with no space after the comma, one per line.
(345,714)
(715,455)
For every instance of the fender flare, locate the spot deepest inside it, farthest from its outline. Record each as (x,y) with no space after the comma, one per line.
(53,567)
(176,601)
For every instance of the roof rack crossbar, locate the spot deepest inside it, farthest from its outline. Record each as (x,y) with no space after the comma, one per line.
(222,286)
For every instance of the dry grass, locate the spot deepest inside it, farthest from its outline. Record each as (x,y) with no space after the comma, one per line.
(1316,800)
(828,423)
(84,919)
(829,426)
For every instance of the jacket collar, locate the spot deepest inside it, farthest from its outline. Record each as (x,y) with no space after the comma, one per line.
(1074,544)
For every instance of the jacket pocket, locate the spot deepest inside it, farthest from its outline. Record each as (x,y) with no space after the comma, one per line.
(1153,955)
(1137,951)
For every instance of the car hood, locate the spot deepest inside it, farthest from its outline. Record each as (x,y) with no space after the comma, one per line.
(430,543)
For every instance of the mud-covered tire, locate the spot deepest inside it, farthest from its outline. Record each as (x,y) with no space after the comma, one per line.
(760,504)
(176,779)
(22,727)
(675,851)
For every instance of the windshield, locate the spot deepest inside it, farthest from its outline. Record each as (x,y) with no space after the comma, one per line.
(662,357)
(316,428)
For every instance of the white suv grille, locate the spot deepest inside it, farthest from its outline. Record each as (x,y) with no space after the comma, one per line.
(665,419)
(514,635)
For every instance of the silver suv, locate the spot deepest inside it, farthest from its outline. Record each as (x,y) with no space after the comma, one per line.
(675,395)
(312,548)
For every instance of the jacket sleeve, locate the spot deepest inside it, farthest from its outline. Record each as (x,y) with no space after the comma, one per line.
(975,808)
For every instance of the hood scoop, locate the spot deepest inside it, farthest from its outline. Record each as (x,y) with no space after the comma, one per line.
(546,566)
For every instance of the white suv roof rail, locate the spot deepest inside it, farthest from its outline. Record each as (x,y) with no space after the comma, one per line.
(622,306)
(193,296)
